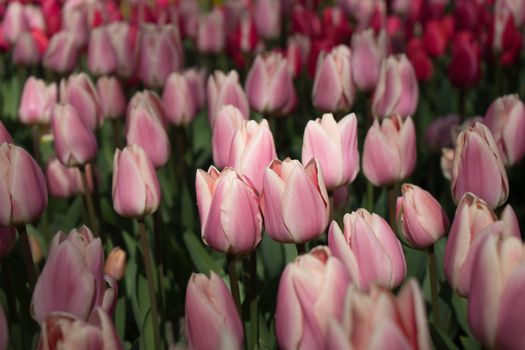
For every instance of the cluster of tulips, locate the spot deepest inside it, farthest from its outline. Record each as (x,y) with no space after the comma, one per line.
(362,154)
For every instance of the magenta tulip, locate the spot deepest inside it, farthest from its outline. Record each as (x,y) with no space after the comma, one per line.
(78,90)
(334,145)
(136,189)
(101,58)
(23,192)
(37,102)
(111,96)
(61,54)
(225,89)
(294,201)
(211,35)
(228,122)
(368,51)
(178,100)
(7,242)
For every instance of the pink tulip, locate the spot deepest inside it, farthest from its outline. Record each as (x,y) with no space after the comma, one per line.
(251,151)
(136,189)
(334,88)
(62,181)
(224,89)
(4,331)
(72,279)
(61,53)
(495,312)
(389,151)
(267,17)
(124,41)
(378,320)
(5,136)
(228,122)
(311,292)
(269,84)
(26,50)
(211,35)
(144,127)
(477,167)
(334,145)
(111,97)
(369,249)
(294,201)
(75,21)
(368,51)
(65,331)
(506,120)
(34,18)
(423,220)
(37,101)
(7,242)
(23,193)
(211,313)
(160,54)
(177,100)
(196,80)
(75,143)
(298,52)
(116,264)
(14,22)
(78,90)
(101,57)
(231,220)
(397,90)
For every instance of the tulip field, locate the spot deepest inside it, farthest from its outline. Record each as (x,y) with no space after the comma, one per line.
(262,174)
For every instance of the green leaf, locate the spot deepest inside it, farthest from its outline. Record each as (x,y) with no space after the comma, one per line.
(272,254)
(200,257)
(120,317)
(440,339)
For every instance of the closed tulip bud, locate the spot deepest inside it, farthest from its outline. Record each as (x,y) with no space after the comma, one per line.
(37,102)
(211,35)
(294,201)
(14,22)
(78,259)
(26,50)
(111,96)
(4,331)
(435,38)
(144,128)
(61,54)
(368,51)
(7,242)
(124,41)
(334,145)
(464,69)
(389,151)
(5,136)
(136,189)
(333,88)
(369,249)
(269,84)
(23,192)
(78,91)
(196,80)
(471,217)
(267,17)
(160,54)
(251,151)
(477,167)
(101,58)
(397,90)
(506,120)
(498,277)
(177,100)
(311,292)
(211,313)
(231,220)
(228,122)
(116,264)
(75,143)
(63,181)
(65,331)
(75,21)
(423,220)
(225,89)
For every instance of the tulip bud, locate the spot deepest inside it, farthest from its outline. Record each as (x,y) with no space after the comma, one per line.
(369,249)
(75,143)
(477,167)
(435,38)
(211,35)
(224,89)
(5,136)
(464,69)
(196,80)
(267,18)
(78,259)
(506,120)
(423,221)
(269,84)
(124,41)
(75,21)
(211,313)
(136,189)
(228,122)
(101,58)
(37,101)
(116,264)
(26,50)
(333,88)
(61,53)
(294,201)
(334,145)
(311,292)
(63,181)
(7,242)
(112,99)
(389,151)
(23,193)
(231,220)
(367,54)
(78,90)
(177,100)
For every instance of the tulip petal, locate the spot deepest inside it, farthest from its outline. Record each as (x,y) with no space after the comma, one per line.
(327,88)
(509,334)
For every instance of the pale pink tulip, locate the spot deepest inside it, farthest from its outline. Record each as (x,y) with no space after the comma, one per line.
(78,91)
(211,35)
(61,54)
(111,96)
(125,44)
(228,122)
(196,80)
(63,181)
(26,50)
(267,17)
(37,102)
(101,57)
(225,89)
(177,100)
(368,51)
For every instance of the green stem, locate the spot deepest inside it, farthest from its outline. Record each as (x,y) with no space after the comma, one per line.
(369,196)
(159,258)
(432,269)
(117,133)
(234,281)
(392,198)
(254,317)
(89,202)
(32,274)
(150,279)
(301,248)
